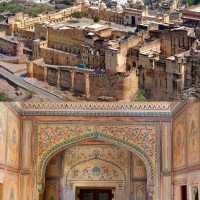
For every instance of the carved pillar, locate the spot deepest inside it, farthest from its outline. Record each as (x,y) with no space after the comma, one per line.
(166,176)
(58,79)
(130,181)
(87,85)
(72,80)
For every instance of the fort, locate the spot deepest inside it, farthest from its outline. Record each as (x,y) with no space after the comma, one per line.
(126,50)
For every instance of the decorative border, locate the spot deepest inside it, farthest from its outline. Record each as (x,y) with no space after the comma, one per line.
(166,109)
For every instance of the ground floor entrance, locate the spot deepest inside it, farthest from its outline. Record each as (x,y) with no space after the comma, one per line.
(95,170)
(95,194)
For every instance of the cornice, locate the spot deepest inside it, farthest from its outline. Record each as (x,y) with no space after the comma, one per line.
(141,109)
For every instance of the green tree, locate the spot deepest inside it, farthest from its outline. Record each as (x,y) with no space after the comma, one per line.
(76,15)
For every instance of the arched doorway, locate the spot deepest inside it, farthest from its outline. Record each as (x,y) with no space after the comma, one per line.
(93,168)
(139,139)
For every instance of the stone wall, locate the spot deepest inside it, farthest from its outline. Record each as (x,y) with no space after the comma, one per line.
(26,36)
(186,152)
(56,57)
(118,86)
(175,42)
(10,47)
(121,87)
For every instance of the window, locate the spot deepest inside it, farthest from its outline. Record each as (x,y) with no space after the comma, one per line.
(184,192)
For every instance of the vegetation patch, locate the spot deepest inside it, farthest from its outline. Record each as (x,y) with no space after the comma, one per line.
(193,2)
(97,19)
(76,15)
(32,10)
(3,96)
(141,95)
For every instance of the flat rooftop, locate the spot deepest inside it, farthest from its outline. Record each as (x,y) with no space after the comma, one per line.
(84,23)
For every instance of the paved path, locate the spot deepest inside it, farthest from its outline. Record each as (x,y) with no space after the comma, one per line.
(23,84)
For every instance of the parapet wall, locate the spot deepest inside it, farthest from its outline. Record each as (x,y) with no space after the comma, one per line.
(53,56)
(86,82)
(117,86)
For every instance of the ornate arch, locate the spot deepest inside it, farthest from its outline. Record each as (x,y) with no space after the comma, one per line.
(45,157)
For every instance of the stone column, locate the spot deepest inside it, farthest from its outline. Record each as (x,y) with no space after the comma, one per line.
(26,160)
(45,73)
(130,177)
(87,85)
(30,69)
(166,176)
(58,79)
(72,80)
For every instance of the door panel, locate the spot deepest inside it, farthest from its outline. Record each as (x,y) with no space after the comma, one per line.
(103,196)
(87,195)
(95,194)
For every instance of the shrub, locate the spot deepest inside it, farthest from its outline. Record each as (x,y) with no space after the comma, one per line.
(96,19)
(76,15)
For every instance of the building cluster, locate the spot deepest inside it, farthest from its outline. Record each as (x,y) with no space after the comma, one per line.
(100,52)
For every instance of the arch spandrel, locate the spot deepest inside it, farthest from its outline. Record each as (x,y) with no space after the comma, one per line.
(139,139)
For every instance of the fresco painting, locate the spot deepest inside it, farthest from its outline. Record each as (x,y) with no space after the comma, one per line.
(179,146)
(193,135)
(13,141)
(11,187)
(3,124)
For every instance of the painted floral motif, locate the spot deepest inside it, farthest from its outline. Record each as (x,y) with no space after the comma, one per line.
(179,146)
(141,139)
(193,143)
(95,170)
(76,154)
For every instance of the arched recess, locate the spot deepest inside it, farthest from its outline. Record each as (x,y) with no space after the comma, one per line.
(45,158)
(121,172)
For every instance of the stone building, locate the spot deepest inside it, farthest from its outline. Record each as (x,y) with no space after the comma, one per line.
(168,62)
(127,50)
(93,59)
(113,151)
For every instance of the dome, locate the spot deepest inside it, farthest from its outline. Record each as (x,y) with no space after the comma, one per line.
(119,8)
(103,6)
(131,3)
(139,2)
